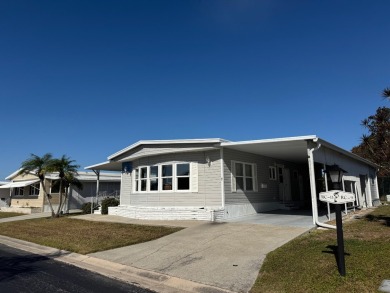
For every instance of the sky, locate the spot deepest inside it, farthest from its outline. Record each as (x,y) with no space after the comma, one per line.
(88,78)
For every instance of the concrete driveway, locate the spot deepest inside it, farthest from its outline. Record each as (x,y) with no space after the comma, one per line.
(225,255)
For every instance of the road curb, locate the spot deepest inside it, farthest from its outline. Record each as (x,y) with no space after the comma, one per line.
(143,278)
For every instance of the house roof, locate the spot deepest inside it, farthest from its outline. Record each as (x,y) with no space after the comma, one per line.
(293,149)
(162,142)
(82,176)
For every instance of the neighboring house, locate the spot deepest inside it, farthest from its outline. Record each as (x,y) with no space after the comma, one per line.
(216,179)
(4,195)
(26,191)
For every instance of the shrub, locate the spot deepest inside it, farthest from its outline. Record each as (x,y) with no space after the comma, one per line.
(108,202)
(86,208)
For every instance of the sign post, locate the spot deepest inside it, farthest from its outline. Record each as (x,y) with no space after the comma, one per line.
(338,198)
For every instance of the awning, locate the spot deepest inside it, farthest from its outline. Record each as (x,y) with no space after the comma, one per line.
(19,184)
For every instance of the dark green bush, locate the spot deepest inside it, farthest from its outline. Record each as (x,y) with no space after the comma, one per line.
(86,208)
(108,202)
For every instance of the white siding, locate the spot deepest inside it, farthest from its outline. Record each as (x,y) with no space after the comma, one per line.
(268,194)
(354,168)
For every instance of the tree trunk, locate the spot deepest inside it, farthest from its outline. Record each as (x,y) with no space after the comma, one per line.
(60,203)
(65,198)
(47,197)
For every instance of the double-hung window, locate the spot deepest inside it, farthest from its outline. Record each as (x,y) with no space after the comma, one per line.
(34,189)
(19,191)
(162,178)
(243,176)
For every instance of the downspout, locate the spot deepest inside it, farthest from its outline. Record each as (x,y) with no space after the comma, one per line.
(313,189)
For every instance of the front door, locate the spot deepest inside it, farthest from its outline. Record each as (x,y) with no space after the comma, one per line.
(284,184)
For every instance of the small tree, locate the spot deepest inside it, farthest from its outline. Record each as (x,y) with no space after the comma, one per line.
(66,170)
(375,145)
(40,166)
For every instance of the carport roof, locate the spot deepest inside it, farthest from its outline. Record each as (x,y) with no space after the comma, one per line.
(293,149)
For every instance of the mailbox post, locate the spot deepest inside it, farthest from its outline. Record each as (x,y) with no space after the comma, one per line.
(338,198)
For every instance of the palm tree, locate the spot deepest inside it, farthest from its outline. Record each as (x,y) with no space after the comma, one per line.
(65,167)
(386,93)
(39,166)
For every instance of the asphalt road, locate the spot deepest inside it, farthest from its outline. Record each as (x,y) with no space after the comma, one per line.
(22,271)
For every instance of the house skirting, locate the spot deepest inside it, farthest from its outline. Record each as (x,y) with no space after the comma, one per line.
(239,210)
(24,210)
(167,213)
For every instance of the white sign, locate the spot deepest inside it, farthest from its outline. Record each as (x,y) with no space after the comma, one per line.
(337,196)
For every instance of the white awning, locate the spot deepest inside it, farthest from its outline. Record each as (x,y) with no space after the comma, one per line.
(19,184)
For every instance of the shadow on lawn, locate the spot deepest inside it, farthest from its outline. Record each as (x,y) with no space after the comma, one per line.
(385,220)
(333,250)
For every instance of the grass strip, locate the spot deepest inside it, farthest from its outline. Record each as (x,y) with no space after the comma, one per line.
(82,236)
(308,263)
(8,215)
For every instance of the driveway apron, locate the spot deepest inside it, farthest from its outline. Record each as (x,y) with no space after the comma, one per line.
(225,255)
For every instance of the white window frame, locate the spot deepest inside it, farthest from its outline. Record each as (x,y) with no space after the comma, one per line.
(272,173)
(234,179)
(160,178)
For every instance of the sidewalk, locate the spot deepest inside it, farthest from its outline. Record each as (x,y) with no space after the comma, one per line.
(23,217)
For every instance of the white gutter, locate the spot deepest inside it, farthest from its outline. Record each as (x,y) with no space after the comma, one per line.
(313,189)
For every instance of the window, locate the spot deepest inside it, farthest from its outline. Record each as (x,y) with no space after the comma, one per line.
(272,173)
(34,189)
(183,176)
(165,177)
(19,191)
(243,176)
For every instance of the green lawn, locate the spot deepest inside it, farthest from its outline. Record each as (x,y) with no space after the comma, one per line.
(8,215)
(308,263)
(82,236)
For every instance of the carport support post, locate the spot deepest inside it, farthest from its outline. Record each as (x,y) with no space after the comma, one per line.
(340,241)
(97,172)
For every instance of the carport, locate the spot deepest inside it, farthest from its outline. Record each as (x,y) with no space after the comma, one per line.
(310,150)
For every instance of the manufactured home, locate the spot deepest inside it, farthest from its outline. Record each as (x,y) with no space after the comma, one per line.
(26,194)
(217,179)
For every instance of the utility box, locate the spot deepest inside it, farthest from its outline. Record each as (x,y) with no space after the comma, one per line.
(388,197)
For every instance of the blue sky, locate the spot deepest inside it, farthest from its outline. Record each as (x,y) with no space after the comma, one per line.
(88,78)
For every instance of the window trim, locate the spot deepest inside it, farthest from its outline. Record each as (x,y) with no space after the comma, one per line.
(160,178)
(234,179)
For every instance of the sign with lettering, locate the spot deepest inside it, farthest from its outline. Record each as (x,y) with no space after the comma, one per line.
(337,197)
